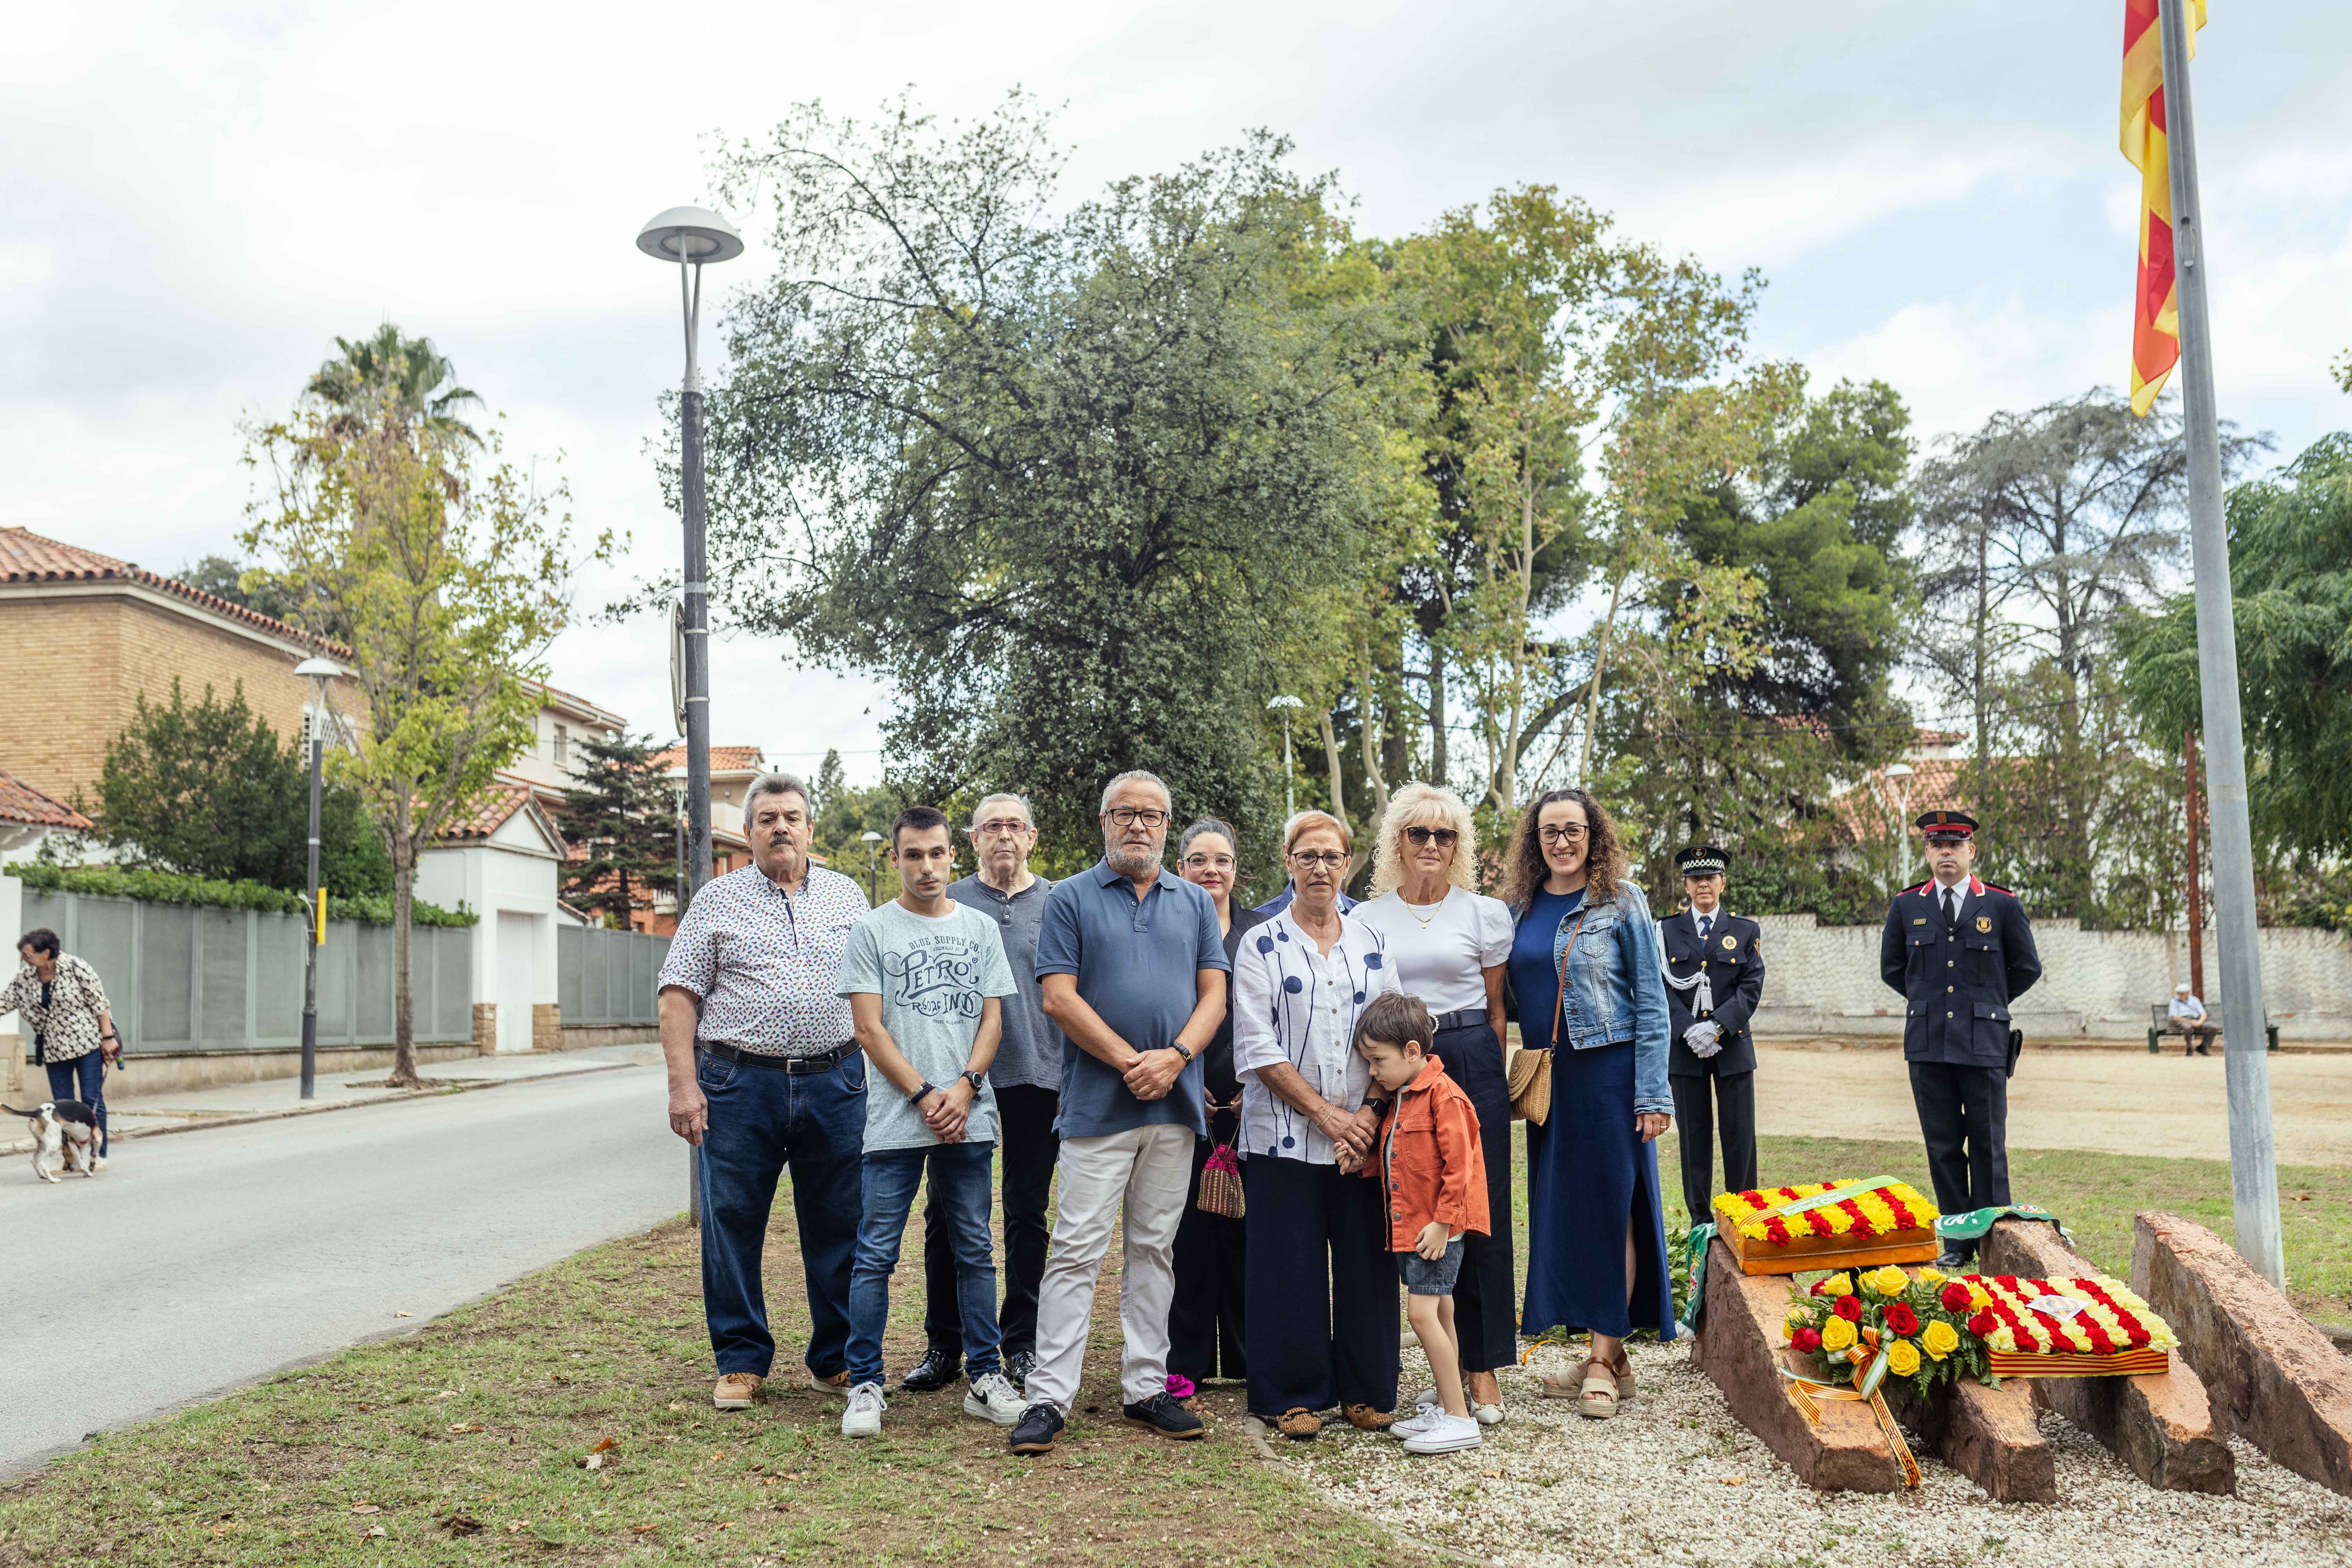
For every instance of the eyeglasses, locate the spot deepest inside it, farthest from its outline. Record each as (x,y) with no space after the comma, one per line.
(1313,858)
(1136,816)
(1202,862)
(1562,833)
(1444,837)
(1000,828)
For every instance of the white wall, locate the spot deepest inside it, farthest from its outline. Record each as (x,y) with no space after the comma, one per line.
(514,873)
(1823,980)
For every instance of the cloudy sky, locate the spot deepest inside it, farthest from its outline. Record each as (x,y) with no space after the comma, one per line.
(195,200)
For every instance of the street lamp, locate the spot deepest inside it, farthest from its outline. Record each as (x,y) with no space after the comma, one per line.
(1287,705)
(1902,833)
(318,671)
(873,864)
(691,237)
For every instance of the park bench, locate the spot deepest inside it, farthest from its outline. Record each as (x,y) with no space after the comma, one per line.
(2160,1015)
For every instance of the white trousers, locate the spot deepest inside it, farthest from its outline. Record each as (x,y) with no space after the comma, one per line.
(1148,1170)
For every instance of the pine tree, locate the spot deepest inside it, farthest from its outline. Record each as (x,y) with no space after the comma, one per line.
(621,813)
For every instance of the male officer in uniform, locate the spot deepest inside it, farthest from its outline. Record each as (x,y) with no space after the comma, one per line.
(1960,951)
(1714,976)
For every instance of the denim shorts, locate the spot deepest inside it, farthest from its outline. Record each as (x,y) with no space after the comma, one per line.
(1425,1277)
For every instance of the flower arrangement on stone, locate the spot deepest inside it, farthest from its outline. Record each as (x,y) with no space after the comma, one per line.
(1885,1208)
(1922,1326)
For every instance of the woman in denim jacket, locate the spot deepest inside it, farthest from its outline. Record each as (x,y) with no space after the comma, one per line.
(1596,1227)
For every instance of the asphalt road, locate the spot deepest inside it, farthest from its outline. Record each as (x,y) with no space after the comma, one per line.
(202,1262)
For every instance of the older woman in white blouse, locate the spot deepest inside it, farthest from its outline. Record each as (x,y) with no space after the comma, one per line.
(1449,945)
(1321,1295)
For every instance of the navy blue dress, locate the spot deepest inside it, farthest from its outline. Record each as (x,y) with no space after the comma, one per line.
(1588,1173)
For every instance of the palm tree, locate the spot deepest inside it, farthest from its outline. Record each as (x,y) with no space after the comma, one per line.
(405,379)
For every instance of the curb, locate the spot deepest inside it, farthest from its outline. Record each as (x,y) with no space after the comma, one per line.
(404,1097)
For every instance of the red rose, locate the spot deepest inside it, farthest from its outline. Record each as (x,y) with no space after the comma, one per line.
(1900,1317)
(1983,1324)
(1848,1306)
(1808,1340)
(1955,1296)
(1817,1286)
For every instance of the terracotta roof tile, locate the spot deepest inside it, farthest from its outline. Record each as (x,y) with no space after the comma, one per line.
(488,814)
(20,802)
(29,557)
(723,759)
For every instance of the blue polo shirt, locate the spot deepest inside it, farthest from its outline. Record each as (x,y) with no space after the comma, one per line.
(1136,964)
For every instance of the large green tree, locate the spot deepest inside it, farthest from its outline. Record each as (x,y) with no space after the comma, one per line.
(1066,473)
(2290,571)
(208,789)
(621,818)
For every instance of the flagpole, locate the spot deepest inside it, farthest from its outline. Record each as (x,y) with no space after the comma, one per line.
(2253,1153)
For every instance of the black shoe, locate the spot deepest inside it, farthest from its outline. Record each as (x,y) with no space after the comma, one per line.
(1953,1261)
(1165,1416)
(938,1368)
(1041,1424)
(1018,1366)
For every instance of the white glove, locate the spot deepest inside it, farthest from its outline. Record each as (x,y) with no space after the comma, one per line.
(1704,1038)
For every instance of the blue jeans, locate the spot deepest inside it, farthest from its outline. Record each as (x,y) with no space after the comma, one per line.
(960,1183)
(763,1120)
(91,1068)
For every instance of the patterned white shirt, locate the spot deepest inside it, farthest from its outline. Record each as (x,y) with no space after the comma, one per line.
(767,963)
(64,1027)
(1294,1005)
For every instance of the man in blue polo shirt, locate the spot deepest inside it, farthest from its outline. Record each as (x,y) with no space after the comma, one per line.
(1133,969)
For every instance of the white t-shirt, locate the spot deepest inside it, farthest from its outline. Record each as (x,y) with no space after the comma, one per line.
(1444,960)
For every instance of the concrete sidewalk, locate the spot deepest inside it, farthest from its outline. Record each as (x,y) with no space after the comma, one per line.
(131,1115)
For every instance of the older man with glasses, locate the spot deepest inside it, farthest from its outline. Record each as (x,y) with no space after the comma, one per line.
(1026,1079)
(1133,970)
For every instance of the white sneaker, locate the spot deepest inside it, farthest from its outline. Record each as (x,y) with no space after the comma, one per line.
(864,1416)
(1445,1435)
(992,1397)
(1416,1423)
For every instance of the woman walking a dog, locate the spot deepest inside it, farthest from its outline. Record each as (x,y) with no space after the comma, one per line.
(61,998)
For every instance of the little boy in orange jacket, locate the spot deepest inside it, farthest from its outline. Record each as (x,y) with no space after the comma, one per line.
(1426,1154)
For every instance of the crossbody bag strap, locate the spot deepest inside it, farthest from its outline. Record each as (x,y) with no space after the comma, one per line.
(1560,1003)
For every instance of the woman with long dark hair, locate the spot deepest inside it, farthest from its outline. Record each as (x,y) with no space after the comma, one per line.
(1584,976)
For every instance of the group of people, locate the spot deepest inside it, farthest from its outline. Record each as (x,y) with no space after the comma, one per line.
(1139,1032)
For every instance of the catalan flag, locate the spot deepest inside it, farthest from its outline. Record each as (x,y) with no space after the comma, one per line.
(2156,306)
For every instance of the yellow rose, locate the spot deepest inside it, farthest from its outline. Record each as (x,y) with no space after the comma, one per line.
(1903,1358)
(1837,1284)
(1940,1340)
(1979,1301)
(1890,1281)
(1788,1328)
(1931,1274)
(1837,1334)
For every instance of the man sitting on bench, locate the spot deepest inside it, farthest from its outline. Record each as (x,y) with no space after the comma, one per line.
(2186,1017)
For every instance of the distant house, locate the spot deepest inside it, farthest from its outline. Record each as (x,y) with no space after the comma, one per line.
(95,634)
(27,817)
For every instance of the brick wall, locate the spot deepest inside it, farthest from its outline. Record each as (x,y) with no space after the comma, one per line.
(486,1028)
(90,656)
(546,1026)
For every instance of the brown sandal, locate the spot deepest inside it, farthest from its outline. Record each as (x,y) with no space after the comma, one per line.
(1298,1424)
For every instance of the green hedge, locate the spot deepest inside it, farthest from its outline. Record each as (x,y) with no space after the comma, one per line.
(169,887)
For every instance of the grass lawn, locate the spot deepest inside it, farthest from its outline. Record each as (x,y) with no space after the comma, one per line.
(463,1442)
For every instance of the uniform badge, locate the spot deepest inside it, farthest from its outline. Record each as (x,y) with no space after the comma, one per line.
(1730,942)
(1984,922)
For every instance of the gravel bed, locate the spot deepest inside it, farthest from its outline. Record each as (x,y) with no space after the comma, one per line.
(1676,1479)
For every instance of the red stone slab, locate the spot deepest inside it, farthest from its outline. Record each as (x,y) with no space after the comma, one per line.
(1989,1435)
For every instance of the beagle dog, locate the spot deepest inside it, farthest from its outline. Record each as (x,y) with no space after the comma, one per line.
(63,1129)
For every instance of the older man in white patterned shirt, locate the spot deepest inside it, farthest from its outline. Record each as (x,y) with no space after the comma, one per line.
(763,1073)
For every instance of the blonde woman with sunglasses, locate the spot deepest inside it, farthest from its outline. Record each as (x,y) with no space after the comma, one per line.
(1449,945)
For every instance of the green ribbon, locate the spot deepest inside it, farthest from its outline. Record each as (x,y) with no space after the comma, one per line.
(1695,1250)
(1823,1200)
(1972,1227)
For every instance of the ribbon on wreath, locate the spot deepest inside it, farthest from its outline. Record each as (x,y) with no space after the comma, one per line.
(1823,1198)
(1809,1394)
(1972,1225)
(1694,1250)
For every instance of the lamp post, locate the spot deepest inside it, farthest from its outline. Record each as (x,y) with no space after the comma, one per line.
(691,237)
(873,864)
(318,671)
(1902,833)
(1287,705)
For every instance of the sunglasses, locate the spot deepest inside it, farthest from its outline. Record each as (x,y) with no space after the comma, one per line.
(1444,837)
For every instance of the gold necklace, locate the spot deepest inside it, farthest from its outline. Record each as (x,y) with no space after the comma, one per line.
(1434,911)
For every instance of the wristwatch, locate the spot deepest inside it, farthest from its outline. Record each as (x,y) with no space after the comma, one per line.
(978,1080)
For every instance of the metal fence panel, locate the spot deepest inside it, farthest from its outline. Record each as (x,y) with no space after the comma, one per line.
(453,1005)
(372,953)
(166,976)
(221,974)
(279,942)
(607,976)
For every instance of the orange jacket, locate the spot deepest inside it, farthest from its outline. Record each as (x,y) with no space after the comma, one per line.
(1427,1154)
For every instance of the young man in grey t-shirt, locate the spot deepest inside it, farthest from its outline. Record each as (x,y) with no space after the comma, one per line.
(926,979)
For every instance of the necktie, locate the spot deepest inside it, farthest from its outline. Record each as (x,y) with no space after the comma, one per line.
(1951,905)
(1705,925)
